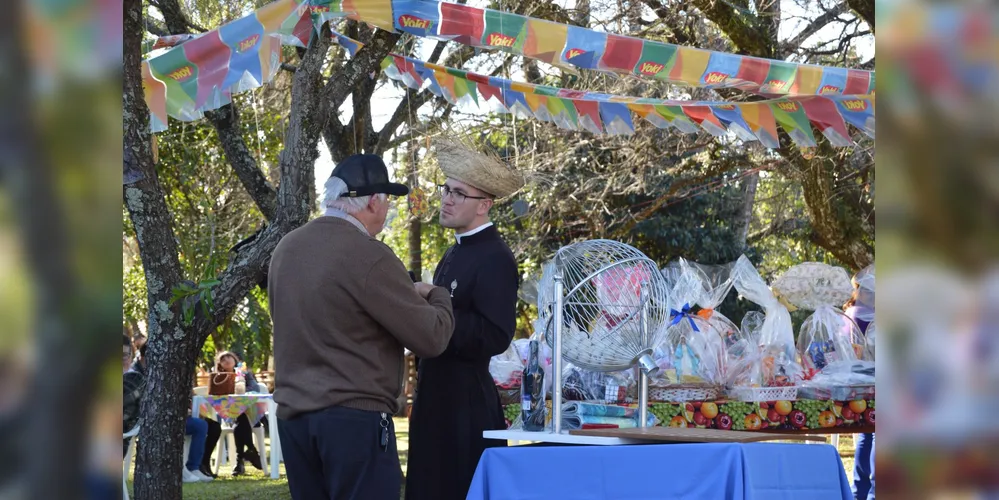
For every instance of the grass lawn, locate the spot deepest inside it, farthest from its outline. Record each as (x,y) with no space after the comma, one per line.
(259,486)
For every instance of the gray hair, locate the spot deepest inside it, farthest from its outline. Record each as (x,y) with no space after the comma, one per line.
(335,188)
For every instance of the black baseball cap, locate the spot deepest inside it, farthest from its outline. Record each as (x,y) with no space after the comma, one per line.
(366,175)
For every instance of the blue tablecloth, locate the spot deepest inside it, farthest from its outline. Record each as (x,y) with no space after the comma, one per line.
(758,471)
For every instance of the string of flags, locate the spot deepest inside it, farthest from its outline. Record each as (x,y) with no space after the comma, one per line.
(189,74)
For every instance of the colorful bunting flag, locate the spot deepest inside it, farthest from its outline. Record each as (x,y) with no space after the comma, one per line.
(203,71)
(545,40)
(503,30)
(418,18)
(823,113)
(583,47)
(791,116)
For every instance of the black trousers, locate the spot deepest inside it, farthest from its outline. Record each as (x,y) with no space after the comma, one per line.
(336,453)
(242,433)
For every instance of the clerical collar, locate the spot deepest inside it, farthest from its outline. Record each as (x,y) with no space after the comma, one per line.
(340,214)
(477,230)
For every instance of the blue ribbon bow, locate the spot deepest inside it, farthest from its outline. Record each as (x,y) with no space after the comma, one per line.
(677,316)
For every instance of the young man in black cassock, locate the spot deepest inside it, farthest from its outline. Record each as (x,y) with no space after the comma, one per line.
(456,398)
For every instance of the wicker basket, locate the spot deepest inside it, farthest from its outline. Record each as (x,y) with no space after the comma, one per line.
(758,394)
(680,393)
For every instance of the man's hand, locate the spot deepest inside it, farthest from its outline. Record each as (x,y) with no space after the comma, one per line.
(423,289)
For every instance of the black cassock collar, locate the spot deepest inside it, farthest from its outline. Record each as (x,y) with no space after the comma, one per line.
(486,234)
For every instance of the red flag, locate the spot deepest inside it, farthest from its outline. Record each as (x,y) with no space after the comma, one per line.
(487,91)
(857,82)
(462,23)
(622,53)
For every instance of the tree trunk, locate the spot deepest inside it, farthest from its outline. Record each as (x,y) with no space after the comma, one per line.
(169,350)
(837,227)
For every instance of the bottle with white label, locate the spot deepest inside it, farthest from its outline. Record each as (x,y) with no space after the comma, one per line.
(532,393)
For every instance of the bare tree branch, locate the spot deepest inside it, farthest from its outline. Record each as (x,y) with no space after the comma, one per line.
(155,27)
(176,21)
(817,24)
(347,82)
(741,27)
(226,123)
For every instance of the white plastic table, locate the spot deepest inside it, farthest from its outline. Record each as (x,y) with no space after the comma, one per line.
(272,424)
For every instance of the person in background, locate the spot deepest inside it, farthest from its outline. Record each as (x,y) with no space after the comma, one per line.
(860,308)
(134,385)
(456,397)
(226,362)
(344,308)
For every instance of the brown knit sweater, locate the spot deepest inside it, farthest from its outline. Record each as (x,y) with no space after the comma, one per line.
(344,307)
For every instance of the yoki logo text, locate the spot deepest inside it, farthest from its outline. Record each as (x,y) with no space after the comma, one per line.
(776,84)
(650,68)
(248,43)
(319,9)
(726,107)
(408,21)
(715,77)
(790,107)
(829,89)
(855,105)
(500,40)
(569,54)
(182,73)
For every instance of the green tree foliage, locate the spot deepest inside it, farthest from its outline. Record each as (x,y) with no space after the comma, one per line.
(211,212)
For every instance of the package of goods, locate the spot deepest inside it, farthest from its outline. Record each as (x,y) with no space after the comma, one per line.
(507,369)
(828,335)
(577,414)
(692,357)
(776,335)
(579,384)
(841,380)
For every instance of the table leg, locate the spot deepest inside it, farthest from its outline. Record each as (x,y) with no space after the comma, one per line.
(272,425)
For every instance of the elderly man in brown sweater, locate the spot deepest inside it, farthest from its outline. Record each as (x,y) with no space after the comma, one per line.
(344,307)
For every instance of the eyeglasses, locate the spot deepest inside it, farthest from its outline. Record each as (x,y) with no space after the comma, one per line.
(444,190)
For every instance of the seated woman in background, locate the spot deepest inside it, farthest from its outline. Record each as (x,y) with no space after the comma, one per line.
(226,362)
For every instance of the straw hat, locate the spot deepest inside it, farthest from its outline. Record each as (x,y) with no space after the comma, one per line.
(481,171)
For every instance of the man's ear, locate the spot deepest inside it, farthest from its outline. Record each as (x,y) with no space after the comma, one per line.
(485,206)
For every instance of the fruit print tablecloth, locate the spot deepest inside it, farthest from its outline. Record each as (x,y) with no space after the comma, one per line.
(229,408)
(803,414)
(821,416)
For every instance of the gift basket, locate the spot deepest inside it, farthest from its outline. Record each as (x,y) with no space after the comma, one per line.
(769,371)
(693,354)
(830,343)
(507,370)
(828,335)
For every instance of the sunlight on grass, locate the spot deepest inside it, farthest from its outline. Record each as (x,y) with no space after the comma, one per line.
(257,485)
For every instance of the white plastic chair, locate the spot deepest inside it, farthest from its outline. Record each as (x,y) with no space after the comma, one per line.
(226,452)
(130,435)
